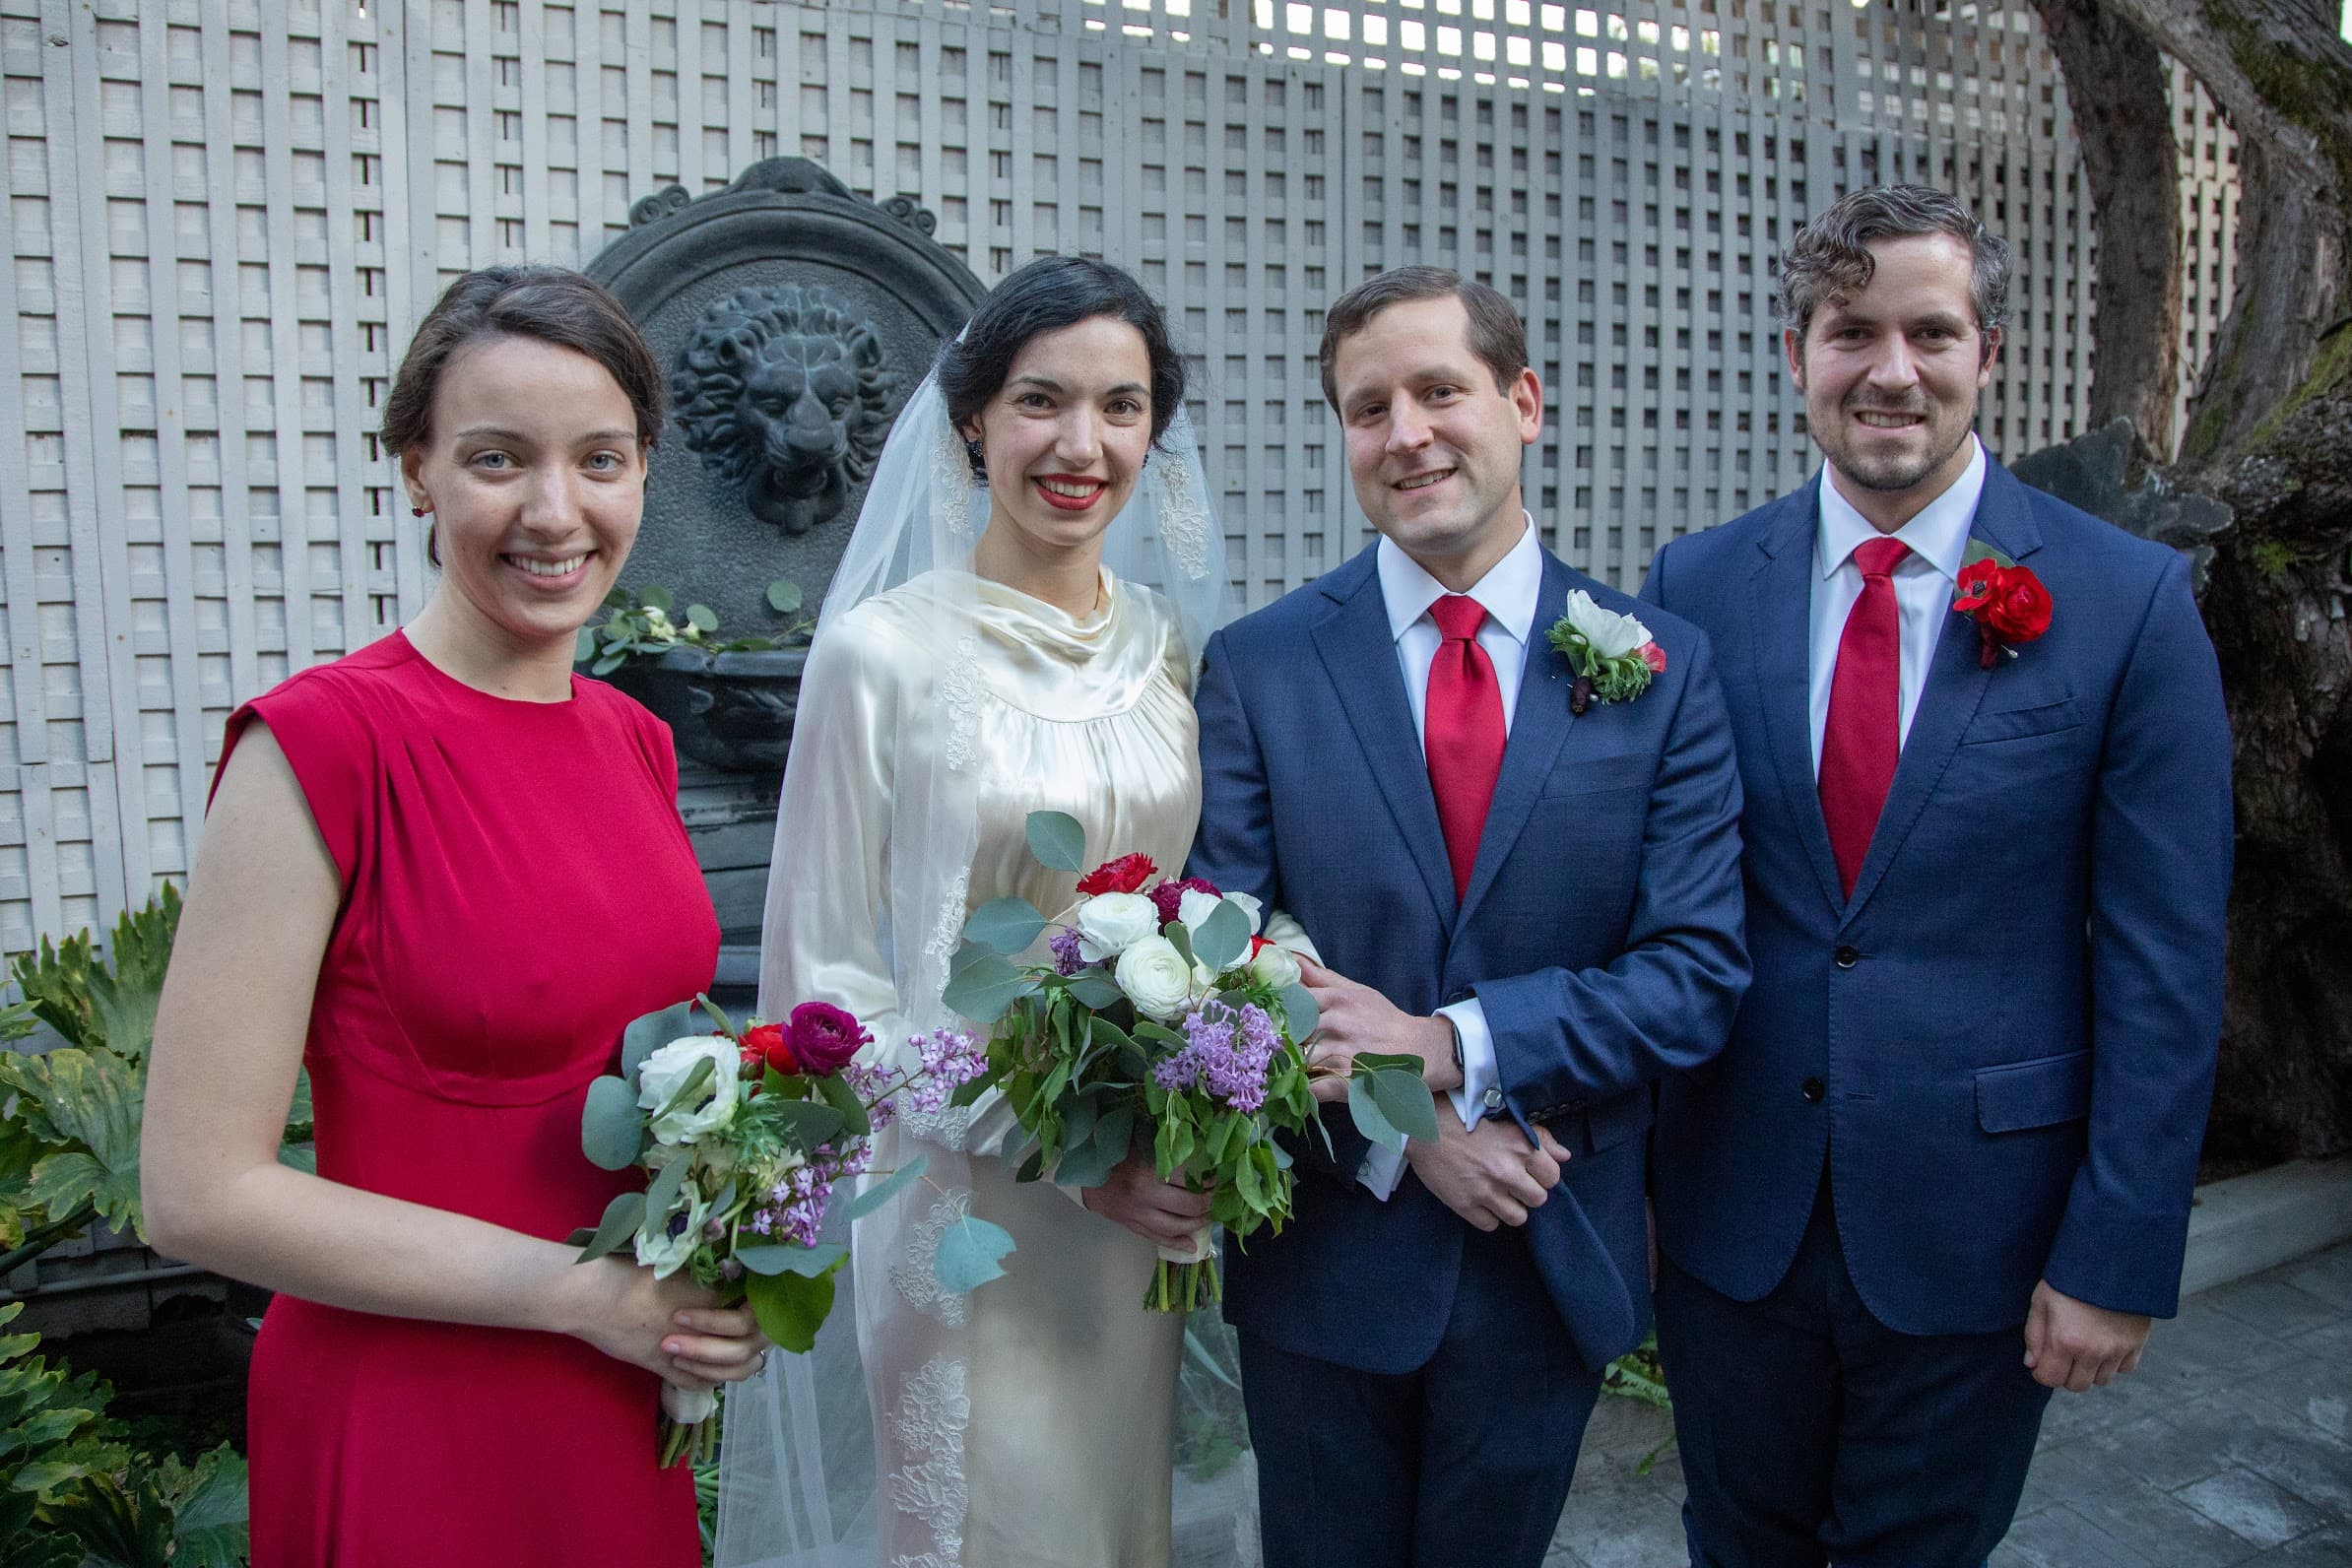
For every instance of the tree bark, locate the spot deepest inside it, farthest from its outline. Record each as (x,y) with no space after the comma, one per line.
(2116,84)
(2271,433)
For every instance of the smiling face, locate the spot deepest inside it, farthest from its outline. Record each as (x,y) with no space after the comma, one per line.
(1433,443)
(1065,437)
(535,482)
(1890,377)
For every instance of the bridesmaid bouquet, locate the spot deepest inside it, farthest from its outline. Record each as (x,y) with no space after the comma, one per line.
(744,1136)
(1164,1013)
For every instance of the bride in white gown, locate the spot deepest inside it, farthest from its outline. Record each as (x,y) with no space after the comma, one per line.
(1014,628)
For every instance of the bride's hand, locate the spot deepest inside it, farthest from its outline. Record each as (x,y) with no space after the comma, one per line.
(674,1326)
(1161,1212)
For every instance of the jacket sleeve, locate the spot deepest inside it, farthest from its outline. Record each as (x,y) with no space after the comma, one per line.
(1566,1037)
(2161,848)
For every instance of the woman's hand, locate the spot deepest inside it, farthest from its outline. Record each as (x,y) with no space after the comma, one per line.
(672,1328)
(1161,1212)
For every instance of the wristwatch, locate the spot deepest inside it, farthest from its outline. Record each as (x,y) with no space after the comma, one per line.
(1454,1029)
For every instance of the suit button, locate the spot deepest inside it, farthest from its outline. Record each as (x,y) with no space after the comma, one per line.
(1812,1090)
(1846,958)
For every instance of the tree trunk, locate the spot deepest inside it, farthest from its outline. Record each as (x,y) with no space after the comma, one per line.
(2271,433)
(2116,84)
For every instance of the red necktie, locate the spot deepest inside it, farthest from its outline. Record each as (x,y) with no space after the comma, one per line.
(1864,735)
(1462,731)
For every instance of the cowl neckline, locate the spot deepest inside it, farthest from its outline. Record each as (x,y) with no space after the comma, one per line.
(1045,661)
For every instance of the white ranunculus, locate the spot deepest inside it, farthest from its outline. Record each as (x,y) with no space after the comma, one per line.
(1195,906)
(1610,635)
(1251,907)
(1108,923)
(1276,966)
(668,1069)
(1156,978)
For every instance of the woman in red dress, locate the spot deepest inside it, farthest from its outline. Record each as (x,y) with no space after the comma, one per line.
(443,873)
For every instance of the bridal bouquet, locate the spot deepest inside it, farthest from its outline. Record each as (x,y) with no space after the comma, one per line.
(1164,1014)
(744,1137)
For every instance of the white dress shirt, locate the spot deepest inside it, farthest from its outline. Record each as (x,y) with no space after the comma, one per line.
(1507,593)
(1924,582)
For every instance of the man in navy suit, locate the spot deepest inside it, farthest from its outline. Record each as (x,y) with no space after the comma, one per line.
(1943,1166)
(1534,892)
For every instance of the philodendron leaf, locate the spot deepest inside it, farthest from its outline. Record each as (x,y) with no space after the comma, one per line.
(1403,1098)
(1005,925)
(1056,840)
(778,1258)
(790,1307)
(985,987)
(88,1102)
(650,1033)
(210,1516)
(968,1254)
(1222,937)
(882,1192)
(611,1125)
(622,1216)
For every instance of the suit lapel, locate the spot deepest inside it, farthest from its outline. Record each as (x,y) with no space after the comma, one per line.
(1780,629)
(1956,683)
(1360,657)
(1539,723)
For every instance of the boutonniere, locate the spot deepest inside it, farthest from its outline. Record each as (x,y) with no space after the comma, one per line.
(2007,601)
(1613,655)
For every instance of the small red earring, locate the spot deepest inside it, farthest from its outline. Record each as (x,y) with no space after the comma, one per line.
(418,510)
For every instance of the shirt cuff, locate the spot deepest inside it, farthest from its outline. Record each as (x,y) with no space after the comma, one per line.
(1382,1170)
(1479,1074)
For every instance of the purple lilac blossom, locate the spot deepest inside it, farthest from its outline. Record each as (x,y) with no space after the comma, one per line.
(1227,1052)
(1067,960)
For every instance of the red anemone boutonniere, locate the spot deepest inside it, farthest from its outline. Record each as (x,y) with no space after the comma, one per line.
(2007,601)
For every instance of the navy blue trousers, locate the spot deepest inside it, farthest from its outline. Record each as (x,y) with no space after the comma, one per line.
(1812,1433)
(1465,1461)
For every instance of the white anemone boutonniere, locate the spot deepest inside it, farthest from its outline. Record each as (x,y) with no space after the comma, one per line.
(1613,655)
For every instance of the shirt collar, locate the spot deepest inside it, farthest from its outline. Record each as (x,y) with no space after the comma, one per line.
(1507,593)
(1939,534)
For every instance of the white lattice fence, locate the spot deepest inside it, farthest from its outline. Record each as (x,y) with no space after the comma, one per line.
(225,219)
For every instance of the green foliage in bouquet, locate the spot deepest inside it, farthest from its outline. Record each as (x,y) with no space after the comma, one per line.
(640,626)
(70,1117)
(78,1495)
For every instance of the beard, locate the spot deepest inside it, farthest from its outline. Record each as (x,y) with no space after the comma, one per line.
(1892,472)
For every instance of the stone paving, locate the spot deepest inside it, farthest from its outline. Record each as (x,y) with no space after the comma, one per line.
(2231,1445)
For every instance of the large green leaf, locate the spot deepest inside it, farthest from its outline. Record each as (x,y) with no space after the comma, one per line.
(210,1511)
(1370,1119)
(86,1105)
(790,1307)
(985,987)
(1404,1099)
(1056,840)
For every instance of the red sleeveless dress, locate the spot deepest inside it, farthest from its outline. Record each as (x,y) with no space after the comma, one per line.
(517,886)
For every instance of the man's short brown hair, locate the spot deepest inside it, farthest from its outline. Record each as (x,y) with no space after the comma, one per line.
(1496,334)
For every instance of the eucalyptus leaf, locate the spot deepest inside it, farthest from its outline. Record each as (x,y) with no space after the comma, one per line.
(882,1192)
(622,1216)
(657,597)
(1403,1098)
(1299,1009)
(1222,937)
(610,1126)
(783,596)
(776,1257)
(984,988)
(1093,988)
(583,647)
(1005,925)
(650,1033)
(1176,933)
(1056,840)
(702,619)
(610,663)
(968,1254)
(807,1123)
(668,1184)
(1370,1120)
(789,1308)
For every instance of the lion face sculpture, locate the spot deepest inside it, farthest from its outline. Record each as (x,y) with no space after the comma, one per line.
(784,390)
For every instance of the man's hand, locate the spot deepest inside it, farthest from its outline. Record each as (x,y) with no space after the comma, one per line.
(2071,1344)
(1356,1020)
(1488,1174)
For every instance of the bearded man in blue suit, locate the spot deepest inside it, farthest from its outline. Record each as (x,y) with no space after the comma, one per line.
(1943,1166)
(1533,890)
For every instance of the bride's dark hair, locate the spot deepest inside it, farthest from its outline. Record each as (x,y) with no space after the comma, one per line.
(1046,295)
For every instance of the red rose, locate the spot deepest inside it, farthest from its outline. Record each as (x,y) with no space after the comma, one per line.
(1654,656)
(825,1038)
(1126,874)
(766,1046)
(1168,896)
(2018,608)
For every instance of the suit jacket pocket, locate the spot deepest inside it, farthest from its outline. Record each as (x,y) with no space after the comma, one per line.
(2043,1092)
(1598,775)
(2015,724)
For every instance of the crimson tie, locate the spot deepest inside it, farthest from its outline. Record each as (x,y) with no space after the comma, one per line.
(1462,731)
(1863,734)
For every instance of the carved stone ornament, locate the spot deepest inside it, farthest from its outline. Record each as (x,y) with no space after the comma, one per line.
(785,391)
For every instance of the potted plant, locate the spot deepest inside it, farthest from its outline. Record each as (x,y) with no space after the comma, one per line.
(728,700)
